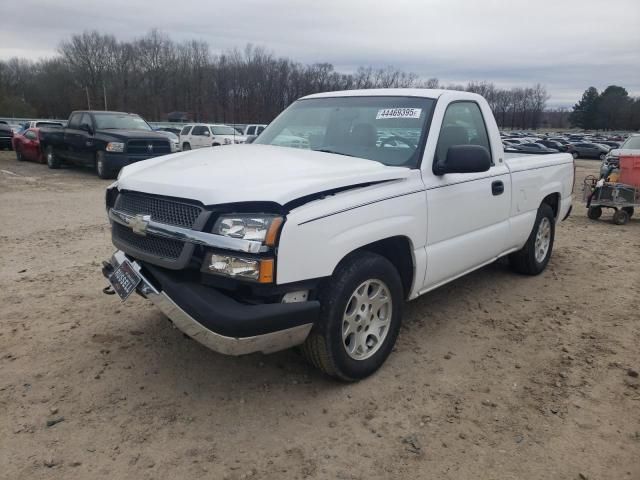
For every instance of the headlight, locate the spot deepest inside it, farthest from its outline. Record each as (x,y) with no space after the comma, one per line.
(257,270)
(256,227)
(115,147)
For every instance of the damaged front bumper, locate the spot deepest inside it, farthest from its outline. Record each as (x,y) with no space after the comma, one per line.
(216,320)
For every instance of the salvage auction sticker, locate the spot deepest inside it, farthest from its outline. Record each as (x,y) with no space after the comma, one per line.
(398,113)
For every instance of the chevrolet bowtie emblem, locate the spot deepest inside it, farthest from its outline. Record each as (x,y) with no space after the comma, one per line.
(150,147)
(139,224)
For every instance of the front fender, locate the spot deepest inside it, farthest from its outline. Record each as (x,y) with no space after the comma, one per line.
(313,247)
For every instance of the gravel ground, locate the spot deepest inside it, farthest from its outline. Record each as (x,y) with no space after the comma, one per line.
(495,376)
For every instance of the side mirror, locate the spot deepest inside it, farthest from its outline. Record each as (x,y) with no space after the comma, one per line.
(87,128)
(464,159)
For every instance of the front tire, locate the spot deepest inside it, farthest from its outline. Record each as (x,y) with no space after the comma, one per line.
(19,156)
(594,213)
(186,146)
(533,258)
(575,155)
(603,156)
(52,160)
(102,167)
(360,317)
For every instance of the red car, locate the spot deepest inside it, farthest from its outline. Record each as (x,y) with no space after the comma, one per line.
(27,145)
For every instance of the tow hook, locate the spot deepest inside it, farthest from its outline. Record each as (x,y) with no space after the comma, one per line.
(107,270)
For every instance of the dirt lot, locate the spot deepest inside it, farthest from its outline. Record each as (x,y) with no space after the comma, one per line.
(496,376)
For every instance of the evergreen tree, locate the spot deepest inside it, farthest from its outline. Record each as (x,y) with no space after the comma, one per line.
(585,112)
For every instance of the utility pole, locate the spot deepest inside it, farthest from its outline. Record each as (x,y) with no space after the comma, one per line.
(86,88)
(104,92)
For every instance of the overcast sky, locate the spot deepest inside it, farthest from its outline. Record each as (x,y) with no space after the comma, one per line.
(566,45)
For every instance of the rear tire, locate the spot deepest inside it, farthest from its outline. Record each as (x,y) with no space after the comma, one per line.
(360,317)
(52,160)
(603,156)
(102,167)
(620,217)
(594,213)
(533,258)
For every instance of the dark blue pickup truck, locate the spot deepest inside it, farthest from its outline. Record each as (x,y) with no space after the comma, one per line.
(106,141)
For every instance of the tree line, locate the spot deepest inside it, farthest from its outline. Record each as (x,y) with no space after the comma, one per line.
(154,75)
(611,109)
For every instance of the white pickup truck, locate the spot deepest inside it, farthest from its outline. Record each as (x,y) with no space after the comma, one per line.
(261,247)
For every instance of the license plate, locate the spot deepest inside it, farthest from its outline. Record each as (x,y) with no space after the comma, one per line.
(124,280)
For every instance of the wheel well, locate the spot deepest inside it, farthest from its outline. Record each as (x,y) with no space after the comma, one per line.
(553,200)
(398,251)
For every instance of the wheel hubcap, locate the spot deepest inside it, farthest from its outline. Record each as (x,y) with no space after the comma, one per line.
(543,239)
(366,319)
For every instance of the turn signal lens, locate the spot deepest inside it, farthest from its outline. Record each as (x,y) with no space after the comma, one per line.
(257,270)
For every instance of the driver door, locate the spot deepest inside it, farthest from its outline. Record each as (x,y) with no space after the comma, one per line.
(468,213)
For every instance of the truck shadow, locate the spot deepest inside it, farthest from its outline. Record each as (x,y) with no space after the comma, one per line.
(172,358)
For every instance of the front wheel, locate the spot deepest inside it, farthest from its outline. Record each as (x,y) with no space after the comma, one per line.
(603,156)
(19,156)
(594,213)
(52,160)
(575,155)
(533,258)
(360,317)
(186,146)
(102,167)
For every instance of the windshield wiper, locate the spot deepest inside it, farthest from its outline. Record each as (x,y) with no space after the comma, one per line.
(326,150)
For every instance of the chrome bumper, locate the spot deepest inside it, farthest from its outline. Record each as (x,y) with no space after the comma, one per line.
(267,343)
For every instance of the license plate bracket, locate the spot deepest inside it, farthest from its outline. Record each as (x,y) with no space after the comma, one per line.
(124,280)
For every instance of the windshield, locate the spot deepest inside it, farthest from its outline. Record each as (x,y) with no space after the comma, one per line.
(123,121)
(388,130)
(632,142)
(223,130)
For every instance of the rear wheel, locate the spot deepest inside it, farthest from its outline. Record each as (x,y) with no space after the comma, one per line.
(186,146)
(360,317)
(620,217)
(533,258)
(594,213)
(603,156)
(52,160)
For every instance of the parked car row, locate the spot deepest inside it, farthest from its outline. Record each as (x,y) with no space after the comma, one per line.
(579,145)
(107,141)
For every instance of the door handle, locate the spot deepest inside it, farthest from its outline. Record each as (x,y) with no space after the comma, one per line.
(497,187)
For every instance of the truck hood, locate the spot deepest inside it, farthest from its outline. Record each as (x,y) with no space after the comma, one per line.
(246,173)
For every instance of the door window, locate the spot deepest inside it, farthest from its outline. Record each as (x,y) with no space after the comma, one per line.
(463,124)
(185,130)
(199,130)
(251,130)
(74,121)
(85,119)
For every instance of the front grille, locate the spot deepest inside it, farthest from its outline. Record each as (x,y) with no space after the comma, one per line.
(164,252)
(148,147)
(161,210)
(162,248)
